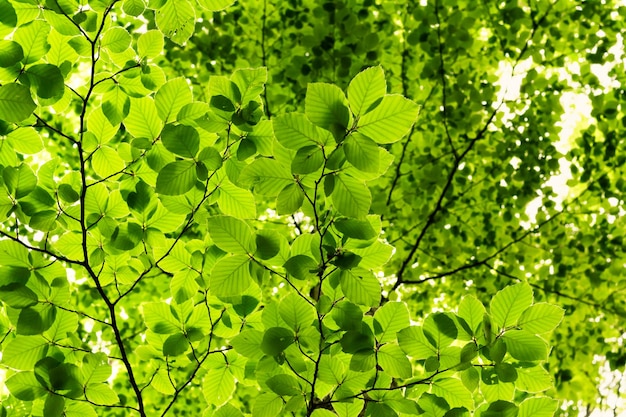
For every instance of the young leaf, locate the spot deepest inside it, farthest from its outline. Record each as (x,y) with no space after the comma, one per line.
(296,312)
(538,407)
(16,103)
(25,386)
(301,267)
(390,120)
(394,362)
(308,159)
(230,276)
(218,386)
(365,89)
(10,53)
(351,197)
(472,311)
(171,98)
(283,384)
(541,318)
(290,199)
(454,392)
(508,304)
(354,228)
(150,44)
(175,19)
(181,140)
(360,286)
(275,340)
(116,39)
(326,106)
(32,37)
(389,320)
(231,234)
(143,120)
(235,201)
(176,178)
(47,80)
(525,346)
(295,131)
(362,152)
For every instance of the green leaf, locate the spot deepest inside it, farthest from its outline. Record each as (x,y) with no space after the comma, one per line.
(248,343)
(25,140)
(538,407)
(294,131)
(394,362)
(16,103)
(171,98)
(268,176)
(390,120)
(432,406)
(454,392)
(10,53)
(13,254)
(541,318)
(19,181)
(297,312)
(17,295)
(176,20)
(181,140)
(215,5)
(389,320)
(360,286)
(143,120)
(365,89)
(230,276)
(159,318)
(24,352)
(501,409)
(267,405)
(150,44)
(106,162)
(228,410)
(347,315)
(235,201)
(33,39)
(24,386)
(134,8)
(290,199)
(508,304)
(308,159)
(362,152)
(175,345)
(231,234)
(275,340)
(327,107)
(176,178)
(301,267)
(351,197)
(116,39)
(95,368)
(506,372)
(101,394)
(47,80)
(355,229)
(283,384)
(54,405)
(250,81)
(525,346)
(533,379)
(440,330)
(218,386)
(267,244)
(472,311)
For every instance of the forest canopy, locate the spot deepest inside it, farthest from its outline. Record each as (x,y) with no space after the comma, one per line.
(312,208)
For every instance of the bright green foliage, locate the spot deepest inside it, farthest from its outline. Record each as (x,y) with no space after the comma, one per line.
(239,212)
